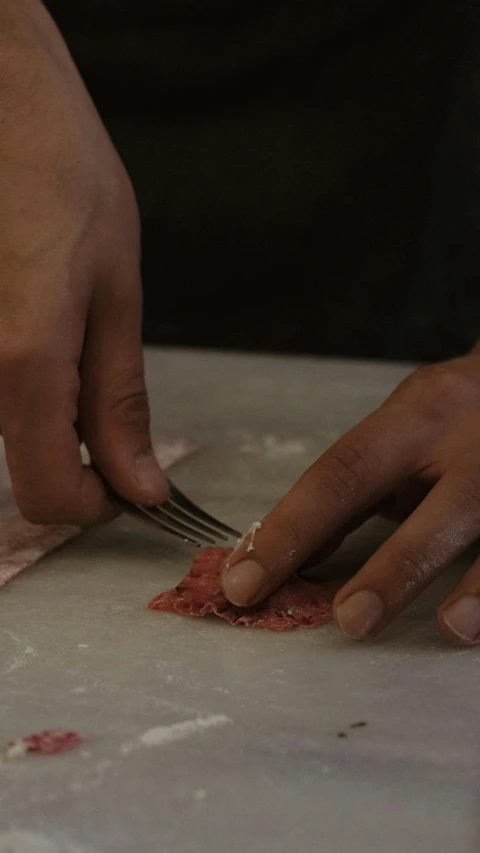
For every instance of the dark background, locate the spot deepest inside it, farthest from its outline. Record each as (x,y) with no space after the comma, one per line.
(308,171)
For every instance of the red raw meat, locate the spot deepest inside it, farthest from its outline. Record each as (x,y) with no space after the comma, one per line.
(50,742)
(298,603)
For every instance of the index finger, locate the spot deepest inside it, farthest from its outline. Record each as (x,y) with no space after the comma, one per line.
(38,413)
(355,473)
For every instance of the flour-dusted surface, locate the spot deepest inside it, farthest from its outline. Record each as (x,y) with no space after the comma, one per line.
(297,604)
(23,544)
(79,648)
(19,841)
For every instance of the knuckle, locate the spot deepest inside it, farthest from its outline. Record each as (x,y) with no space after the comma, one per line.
(286,529)
(25,354)
(433,383)
(123,198)
(17,353)
(413,565)
(438,387)
(129,404)
(466,490)
(346,470)
(293,535)
(70,503)
(52,509)
(38,512)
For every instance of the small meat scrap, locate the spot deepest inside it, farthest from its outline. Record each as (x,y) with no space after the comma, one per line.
(298,603)
(50,742)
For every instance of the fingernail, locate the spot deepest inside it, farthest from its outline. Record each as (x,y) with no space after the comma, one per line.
(243,583)
(358,615)
(150,478)
(463,618)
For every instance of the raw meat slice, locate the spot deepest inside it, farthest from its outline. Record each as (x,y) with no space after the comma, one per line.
(23,544)
(50,742)
(298,603)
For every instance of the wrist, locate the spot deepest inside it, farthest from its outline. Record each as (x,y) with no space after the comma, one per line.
(14,20)
(26,31)
(29,41)
(17,37)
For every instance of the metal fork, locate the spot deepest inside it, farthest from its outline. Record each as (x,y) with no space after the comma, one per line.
(180,517)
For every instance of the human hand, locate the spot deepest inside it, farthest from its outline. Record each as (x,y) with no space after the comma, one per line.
(419,456)
(71,365)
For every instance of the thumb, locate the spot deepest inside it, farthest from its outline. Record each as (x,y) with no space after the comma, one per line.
(114,409)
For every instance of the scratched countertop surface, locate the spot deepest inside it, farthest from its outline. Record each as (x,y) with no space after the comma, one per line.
(250,753)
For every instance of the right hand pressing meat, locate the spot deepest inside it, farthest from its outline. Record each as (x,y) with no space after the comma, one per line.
(71,364)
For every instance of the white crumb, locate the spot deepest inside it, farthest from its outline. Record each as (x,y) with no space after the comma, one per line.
(249,534)
(273,448)
(163,735)
(17,749)
(200,794)
(243,539)
(255,526)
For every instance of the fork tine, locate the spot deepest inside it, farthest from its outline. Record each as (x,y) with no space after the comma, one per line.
(187,506)
(139,514)
(157,514)
(177,514)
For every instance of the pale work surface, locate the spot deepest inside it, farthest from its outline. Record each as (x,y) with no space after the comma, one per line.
(265,771)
